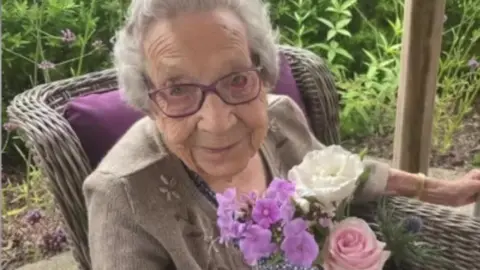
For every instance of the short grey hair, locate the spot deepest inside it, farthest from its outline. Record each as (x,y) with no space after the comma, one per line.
(128,53)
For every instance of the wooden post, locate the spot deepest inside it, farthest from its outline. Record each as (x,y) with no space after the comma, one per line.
(421,47)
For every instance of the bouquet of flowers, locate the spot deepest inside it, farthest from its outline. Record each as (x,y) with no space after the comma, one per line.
(304,220)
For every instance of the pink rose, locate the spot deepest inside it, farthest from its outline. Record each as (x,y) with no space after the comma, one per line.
(352,245)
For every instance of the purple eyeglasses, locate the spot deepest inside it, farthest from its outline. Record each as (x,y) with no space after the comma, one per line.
(182,100)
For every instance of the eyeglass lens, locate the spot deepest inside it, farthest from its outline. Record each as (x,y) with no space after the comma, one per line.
(184,99)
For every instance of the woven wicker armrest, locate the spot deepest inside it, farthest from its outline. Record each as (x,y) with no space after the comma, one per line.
(317,87)
(456,235)
(56,149)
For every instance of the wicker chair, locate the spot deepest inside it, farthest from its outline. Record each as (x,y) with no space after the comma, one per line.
(58,152)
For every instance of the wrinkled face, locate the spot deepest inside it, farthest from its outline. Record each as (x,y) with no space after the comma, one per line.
(219,139)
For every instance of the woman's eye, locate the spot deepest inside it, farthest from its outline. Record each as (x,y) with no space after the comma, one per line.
(239,81)
(177,91)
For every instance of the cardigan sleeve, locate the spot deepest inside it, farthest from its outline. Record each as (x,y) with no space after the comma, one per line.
(296,128)
(115,240)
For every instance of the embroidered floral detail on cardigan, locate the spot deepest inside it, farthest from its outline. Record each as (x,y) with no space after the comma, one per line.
(272,125)
(192,229)
(212,243)
(169,188)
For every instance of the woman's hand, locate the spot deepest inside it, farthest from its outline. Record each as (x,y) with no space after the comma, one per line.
(462,191)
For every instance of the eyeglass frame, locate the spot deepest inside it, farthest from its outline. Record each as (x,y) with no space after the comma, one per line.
(205,89)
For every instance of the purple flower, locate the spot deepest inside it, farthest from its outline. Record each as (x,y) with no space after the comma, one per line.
(280,190)
(68,36)
(287,210)
(250,198)
(473,64)
(60,235)
(299,245)
(295,227)
(256,244)
(300,249)
(266,212)
(229,228)
(46,65)
(55,241)
(413,224)
(226,201)
(33,217)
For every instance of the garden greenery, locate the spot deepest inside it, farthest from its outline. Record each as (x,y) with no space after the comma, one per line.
(360,40)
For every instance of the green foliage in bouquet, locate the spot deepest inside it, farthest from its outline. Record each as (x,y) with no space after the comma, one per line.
(401,237)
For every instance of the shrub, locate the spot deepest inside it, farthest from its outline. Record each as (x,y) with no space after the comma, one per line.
(367,95)
(50,40)
(342,30)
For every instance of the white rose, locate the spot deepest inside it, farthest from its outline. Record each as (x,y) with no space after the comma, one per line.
(330,175)
(302,203)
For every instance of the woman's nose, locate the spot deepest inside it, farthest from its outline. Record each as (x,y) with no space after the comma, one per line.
(216,115)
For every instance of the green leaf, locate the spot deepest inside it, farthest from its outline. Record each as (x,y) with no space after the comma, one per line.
(326,22)
(344,53)
(331,9)
(348,4)
(362,180)
(404,245)
(331,55)
(342,23)
(319,46)
(344,32)
(306,15)
(331,34)
(363,153)
(346,13)
(386,62)
(16,212)
(372,58)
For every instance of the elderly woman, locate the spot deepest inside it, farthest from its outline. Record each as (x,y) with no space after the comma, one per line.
(202,70)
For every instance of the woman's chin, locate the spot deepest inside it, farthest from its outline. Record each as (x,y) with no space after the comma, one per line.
(224,169)
(227,163)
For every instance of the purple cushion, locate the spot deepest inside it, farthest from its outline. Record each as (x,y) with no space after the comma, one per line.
(99,120)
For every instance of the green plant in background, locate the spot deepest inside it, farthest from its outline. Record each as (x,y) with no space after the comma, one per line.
(50,40)
(459,78)
(32,193)
(299,21)
(339,18)
(25,202)
(369,98)
(43,41)
(341,31)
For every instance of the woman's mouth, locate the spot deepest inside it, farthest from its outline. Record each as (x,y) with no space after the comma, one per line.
(220,149)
